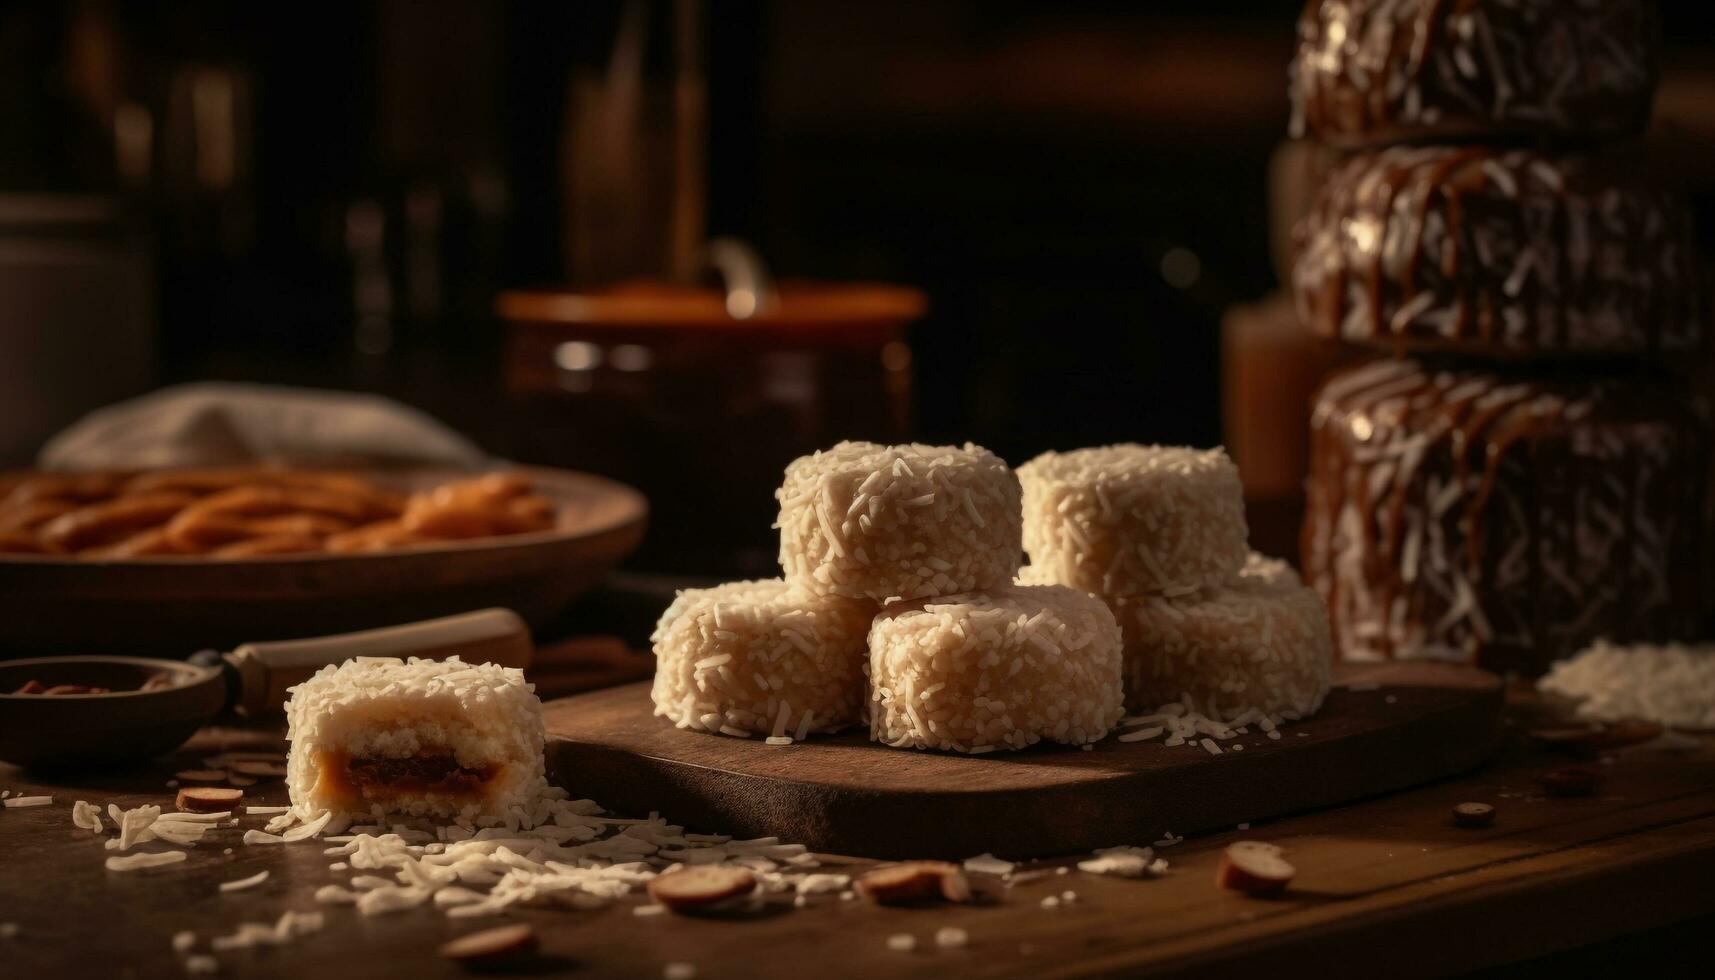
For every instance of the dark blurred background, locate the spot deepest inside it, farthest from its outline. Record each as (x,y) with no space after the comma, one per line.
(335,196)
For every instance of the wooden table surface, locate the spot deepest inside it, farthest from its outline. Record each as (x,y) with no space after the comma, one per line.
(1388,881)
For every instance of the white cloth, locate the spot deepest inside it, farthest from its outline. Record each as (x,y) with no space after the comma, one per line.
(216,423)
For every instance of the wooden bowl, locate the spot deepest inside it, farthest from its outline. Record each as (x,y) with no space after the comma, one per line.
(174,605)
(44,731)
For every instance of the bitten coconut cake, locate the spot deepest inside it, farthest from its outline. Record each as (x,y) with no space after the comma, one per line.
(446,739)
(997,670)
(899,522)
(761,658)
(1131,520)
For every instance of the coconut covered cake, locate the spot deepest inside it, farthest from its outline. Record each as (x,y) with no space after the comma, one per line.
(442,739)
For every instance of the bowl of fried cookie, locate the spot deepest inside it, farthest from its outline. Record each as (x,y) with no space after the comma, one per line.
(174,560)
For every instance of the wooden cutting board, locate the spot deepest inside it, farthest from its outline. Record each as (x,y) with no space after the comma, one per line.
(844,794)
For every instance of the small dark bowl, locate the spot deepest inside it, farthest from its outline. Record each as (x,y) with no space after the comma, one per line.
(59,731)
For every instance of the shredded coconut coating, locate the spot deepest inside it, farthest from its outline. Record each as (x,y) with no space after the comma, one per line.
(1371,71)
(1001,670)
(761,658)
(1134,520)
(1499,252)
(1672,684)
(1259,645)
(899,522)
(384,707)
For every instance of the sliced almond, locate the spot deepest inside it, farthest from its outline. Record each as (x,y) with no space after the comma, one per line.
(1253,868)
(1571,781)
(239,779)
(208,799)
(1473,815)
(914,881)
(202,775)
(264,770)
(492,946)
(701,887)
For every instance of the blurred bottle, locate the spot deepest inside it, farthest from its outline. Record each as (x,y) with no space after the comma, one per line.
(76,314)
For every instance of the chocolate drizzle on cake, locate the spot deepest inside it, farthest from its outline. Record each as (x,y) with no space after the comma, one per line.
(1506,520)
(1377,71)
(1503,253)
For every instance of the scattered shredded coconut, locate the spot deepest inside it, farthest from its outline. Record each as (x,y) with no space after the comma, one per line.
(951,937)
(18,802)
(288,927)
(1672,684)
(988,864)
(144,859)
(1123,861)
(243,883)
(86,816)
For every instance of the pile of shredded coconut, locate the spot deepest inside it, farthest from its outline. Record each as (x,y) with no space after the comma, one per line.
(1673,684)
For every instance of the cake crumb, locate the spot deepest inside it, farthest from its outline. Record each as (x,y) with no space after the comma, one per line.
(949,937)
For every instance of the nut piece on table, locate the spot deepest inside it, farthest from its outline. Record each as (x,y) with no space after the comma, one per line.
(207,799)
(1473,815)
(701,887)
(1254,868)
(492,947)
(1571,781)
(912,881)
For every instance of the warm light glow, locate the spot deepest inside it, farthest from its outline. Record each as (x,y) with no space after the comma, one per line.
(741,304)
(577,355)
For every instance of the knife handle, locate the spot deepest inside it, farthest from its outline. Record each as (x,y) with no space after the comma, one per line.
(266,670)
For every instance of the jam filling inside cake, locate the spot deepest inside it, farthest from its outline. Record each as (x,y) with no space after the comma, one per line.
(437,773)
